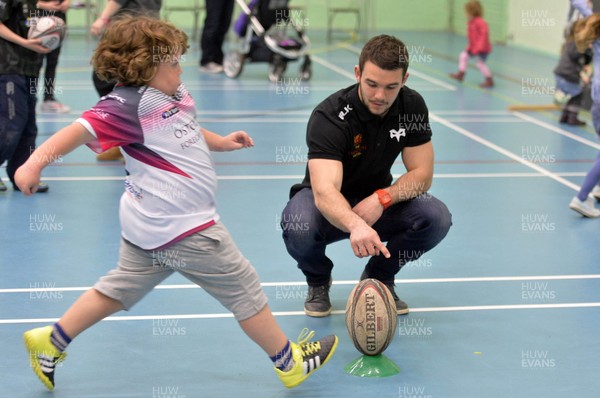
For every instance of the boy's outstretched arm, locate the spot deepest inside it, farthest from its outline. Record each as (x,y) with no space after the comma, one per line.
(64,141)
(236,140)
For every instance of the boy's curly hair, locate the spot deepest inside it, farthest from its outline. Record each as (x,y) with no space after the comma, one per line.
(133,46)
(586,32)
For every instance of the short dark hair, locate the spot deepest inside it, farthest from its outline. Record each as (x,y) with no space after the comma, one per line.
(385,51)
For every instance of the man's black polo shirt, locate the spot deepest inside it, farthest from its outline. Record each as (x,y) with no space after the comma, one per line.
(342,128)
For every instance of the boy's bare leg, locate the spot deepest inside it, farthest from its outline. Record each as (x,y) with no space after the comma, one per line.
(264,331)
(90,308)
(43,343)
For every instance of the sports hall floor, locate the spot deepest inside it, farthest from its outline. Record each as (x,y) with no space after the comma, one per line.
(506,306)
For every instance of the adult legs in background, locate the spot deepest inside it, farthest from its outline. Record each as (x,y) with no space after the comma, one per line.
(49,103)
(18,129)
(216,25)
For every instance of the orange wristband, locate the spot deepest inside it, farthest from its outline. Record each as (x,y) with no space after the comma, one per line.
(384,198)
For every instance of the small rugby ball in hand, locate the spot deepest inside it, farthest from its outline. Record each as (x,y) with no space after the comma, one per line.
(50,29)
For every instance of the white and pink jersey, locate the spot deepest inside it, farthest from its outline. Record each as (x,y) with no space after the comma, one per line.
(171,182)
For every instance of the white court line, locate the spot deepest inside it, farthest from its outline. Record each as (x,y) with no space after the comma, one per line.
(119,178)
(336,312)
(504,152)
(432,80)
(303,120)
(299,176)
(505,175)
(232,119)
(556,129)
(484,120)
(342,282)
(307,112)
(470,112)
(253,120)
(45,118)
(497,307)
(250,112)
(333,67)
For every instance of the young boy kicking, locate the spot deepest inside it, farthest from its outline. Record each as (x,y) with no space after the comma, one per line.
(152,117)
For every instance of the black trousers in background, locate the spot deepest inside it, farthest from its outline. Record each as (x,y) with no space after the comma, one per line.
(216,25)
(18,129)
(50,74)
(51,63)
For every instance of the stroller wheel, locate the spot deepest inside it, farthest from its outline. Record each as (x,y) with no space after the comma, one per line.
(305,72)
(306,69)
(233,64)
(276,71)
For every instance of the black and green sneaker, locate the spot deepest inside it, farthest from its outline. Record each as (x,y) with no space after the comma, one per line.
(308,357)
(43,356)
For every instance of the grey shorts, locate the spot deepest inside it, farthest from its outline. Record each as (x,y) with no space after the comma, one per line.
(208,258)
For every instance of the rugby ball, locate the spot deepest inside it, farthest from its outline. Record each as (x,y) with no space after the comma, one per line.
(371,317)
(50,29)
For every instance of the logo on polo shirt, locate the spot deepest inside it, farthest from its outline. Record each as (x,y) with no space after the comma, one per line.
(398,133)
(358,148)
(133,191)
(344,112)
(115,97)
(170,112)
(101,114)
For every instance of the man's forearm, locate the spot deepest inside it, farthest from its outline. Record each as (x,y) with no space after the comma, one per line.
(336,209)
(410,185)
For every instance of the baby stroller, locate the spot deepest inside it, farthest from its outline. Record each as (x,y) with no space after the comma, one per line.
(267,40)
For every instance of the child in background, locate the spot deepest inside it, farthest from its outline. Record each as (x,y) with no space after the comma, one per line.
(589,35)
(478,44)
(573,16)
(152,117)
(572,76)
